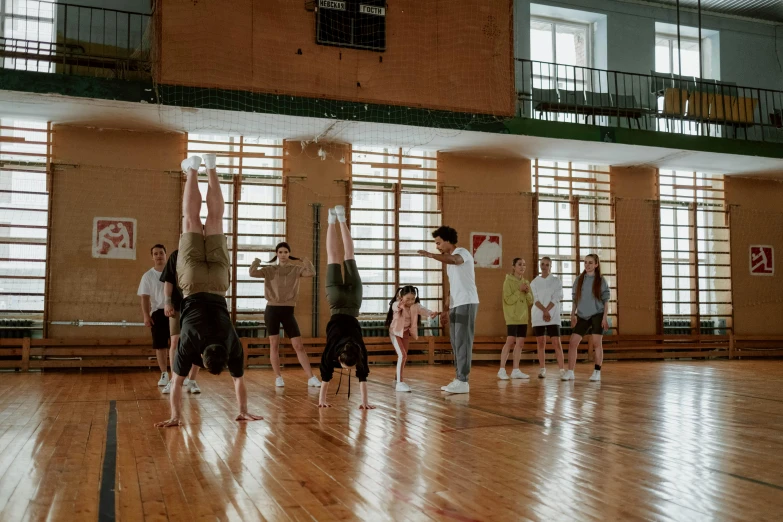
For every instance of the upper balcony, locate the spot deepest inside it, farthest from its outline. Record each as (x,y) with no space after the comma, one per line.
(656,102)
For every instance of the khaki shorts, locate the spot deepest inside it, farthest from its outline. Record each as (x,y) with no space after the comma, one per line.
(203,264)
(174,324)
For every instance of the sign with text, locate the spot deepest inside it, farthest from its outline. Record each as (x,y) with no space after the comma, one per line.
(487,249)
(332,4)
(762,260)
(114,238)
(372,10)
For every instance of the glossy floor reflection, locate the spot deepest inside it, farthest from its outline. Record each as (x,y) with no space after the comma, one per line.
(653,441)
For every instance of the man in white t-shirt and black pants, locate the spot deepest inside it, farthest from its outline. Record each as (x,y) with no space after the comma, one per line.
(152,309)
(545,318)
(462,303)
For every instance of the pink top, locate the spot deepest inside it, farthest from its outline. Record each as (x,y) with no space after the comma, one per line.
(406,318)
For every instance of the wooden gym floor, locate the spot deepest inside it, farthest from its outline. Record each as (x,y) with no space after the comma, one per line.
(654,441)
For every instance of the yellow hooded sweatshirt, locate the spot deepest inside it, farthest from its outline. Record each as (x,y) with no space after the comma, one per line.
(516,303)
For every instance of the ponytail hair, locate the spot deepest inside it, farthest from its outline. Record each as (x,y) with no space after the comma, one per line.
(596,281)
(349,354)
(278,247)
(514,263)
(401,291)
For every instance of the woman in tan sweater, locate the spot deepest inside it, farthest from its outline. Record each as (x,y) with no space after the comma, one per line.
(281,290)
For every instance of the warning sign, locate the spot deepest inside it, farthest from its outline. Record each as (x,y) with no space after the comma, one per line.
(762,260)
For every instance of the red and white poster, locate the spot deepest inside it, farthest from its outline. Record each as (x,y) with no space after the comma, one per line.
(487,249)
(762,260)
(114,238)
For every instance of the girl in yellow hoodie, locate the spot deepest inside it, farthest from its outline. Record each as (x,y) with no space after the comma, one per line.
(517,299)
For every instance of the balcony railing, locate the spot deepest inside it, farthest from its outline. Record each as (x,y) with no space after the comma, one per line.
(655,102)
(74,39)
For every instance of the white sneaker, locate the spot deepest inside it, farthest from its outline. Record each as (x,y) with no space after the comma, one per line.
(164,379)
(339,211)
(443,388)
(502,375)
(313,382)
(186,381)
(402,387)
(193,162)
(516,374)
(596,377)
(279,382)
(542,373)
(167,389)
(210,161)
(458,387)
(332,217)
(568,375)
(194,387)
(562,372)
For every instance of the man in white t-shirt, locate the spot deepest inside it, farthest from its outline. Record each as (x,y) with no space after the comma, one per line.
(461,305)
(545,318)
(152,309)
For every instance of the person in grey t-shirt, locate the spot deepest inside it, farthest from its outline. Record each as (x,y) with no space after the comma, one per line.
(590,297)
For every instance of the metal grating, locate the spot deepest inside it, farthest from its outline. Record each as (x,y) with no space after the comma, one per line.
(770,10)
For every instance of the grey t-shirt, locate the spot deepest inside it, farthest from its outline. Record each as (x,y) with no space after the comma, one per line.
(588,305)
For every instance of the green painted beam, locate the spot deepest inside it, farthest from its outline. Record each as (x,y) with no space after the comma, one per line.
(264,103)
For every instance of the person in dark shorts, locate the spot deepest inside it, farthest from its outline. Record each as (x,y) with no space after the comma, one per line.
(207,336)
(151,293)
(172,298)
(281,290)
(591,305)
(344,343)
(517,297)
(545,314)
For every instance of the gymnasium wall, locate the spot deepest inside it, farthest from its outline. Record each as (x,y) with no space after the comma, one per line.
(485,194)
(636,239)
(440,54)
(108,173)
(756,219)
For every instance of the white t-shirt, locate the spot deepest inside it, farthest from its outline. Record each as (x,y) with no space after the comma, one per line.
(545,291)
(462,280)
(152,286)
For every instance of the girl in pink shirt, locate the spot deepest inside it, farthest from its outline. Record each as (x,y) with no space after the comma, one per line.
(403,319)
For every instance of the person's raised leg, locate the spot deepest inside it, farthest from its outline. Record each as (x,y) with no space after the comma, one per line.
(191,196)
(216,205)
(339,211)
(333,251)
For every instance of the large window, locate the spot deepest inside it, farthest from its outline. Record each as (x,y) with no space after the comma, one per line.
(575,219)
(394,209)
(667,57)
(695,253)
(27,27)
(562,43)
(251,176)
(24,217)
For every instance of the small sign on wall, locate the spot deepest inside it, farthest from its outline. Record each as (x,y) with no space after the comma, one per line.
(487,249)
(762,260)
(114,238)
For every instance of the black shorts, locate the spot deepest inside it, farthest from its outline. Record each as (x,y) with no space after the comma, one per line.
(516,330)
(591,325)
(552,330)
(160,330)
(274,315)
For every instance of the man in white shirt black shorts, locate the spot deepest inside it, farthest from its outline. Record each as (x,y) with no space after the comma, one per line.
(152,301)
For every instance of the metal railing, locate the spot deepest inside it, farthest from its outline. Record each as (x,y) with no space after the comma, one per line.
(655,102)
(76,40)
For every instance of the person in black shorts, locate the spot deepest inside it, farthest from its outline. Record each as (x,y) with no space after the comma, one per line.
(207,338)
(589,315)
(151,293)
(172,298)
(281,290)
(545,314)
(517,297)
(344,343)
